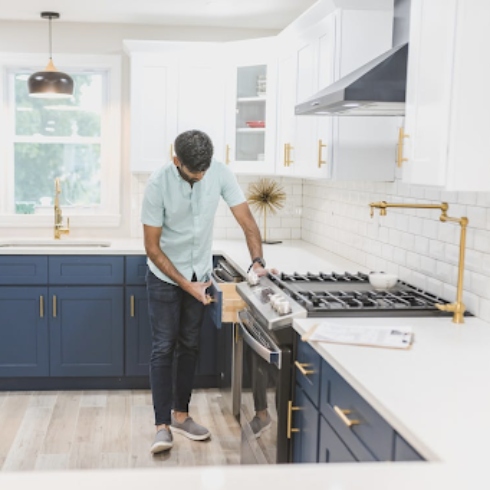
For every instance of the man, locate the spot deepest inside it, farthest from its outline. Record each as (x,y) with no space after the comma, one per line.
(178,211)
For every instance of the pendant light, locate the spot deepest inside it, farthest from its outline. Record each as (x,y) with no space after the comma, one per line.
(50,83)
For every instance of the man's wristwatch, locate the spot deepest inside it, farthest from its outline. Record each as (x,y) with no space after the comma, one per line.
(258,260)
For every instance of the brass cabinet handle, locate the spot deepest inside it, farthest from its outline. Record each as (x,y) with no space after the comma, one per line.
(290,429)
(342,413)
(399,157)
(321,145)
(171,152)
(287,154)
(54,306)
(131,306)
(41,306)
(227,158)
(301,367)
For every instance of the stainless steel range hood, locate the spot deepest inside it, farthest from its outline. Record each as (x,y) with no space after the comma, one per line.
(375,89)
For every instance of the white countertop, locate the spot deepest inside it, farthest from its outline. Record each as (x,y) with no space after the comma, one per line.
(435,395)
(287,256)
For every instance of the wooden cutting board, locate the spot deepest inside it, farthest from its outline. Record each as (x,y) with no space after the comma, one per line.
(232,302)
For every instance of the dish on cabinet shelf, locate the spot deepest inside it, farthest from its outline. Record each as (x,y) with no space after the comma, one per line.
(255,124)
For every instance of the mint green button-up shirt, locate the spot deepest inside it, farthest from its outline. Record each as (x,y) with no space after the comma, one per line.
(186,215)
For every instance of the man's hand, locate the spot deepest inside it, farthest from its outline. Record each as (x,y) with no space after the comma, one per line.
(261,271)
(198,290)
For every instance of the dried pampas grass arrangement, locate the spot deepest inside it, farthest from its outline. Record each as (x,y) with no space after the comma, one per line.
(263,196)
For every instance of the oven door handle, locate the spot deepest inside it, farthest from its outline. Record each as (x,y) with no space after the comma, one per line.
(271,356)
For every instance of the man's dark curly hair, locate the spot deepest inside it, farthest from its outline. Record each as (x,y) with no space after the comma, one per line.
(194,149)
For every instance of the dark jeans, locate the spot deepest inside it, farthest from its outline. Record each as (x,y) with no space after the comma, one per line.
(175,319)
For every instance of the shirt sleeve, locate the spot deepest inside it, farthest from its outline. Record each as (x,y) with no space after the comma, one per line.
(230,189)
(153,208)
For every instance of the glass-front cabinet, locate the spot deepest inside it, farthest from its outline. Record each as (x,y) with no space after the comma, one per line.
(250,107)
(250,113)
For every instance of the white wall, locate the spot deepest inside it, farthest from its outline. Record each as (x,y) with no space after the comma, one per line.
(32,37)
(412,243)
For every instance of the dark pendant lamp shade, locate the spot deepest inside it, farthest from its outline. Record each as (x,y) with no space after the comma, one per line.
(50,83)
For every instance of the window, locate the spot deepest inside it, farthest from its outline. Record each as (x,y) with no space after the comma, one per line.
(76,140)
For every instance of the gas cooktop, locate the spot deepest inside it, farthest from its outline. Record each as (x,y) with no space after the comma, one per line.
(351,294)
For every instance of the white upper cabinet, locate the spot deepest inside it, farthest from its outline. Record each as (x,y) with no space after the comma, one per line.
(343,148)
(446,120)
(250,106)
(286,100)
(154,100)
(180,87)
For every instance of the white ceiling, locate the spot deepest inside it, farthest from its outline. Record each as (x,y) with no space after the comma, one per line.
(255,14)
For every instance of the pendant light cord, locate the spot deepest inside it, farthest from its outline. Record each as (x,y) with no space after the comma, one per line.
(50,40)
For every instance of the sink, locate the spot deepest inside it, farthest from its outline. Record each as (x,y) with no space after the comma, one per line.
(51,242)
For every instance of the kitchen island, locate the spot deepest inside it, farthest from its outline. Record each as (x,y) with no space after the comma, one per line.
(434,394)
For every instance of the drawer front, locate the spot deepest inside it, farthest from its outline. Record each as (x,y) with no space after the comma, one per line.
(370,434)
(307,370)
(136,268)
(84,270)
(331,448)
(405,452)
(20,270)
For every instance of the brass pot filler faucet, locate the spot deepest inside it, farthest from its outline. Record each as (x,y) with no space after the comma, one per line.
(457,308)
(59,229)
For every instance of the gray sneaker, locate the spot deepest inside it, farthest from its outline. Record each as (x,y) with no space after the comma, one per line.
(190,429)
(163,441)
(258,426)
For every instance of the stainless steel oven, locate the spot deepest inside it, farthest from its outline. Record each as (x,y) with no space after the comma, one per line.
(265,385)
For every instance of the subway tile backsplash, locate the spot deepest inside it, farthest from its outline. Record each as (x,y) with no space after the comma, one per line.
(411,243)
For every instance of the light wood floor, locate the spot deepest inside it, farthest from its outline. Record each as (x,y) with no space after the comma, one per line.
(58,430)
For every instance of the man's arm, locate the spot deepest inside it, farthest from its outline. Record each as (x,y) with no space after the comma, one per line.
(155,254)
(249,226)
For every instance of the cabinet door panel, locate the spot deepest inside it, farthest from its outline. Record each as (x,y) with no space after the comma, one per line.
(138,332)
(154,80)
(331,448)
(372,431)
(23,331)
(405,452)
(86,331)
(86,269)
(305,442)
(136,269)
(202,103)
(309,360)
(23,270)
(429,89)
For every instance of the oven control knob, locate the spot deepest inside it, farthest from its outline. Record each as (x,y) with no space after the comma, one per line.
(283,307)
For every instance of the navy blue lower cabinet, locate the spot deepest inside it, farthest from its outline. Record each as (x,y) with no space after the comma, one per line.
(138,331)
(86,331)
(331,449)
(24,349)
(305,420)
(405,452)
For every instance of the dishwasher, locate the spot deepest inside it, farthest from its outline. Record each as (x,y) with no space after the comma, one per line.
(227,275)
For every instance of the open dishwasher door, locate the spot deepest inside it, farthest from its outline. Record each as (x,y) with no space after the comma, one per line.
(226,276)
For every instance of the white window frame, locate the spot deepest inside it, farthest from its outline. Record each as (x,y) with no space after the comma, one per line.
(109,212)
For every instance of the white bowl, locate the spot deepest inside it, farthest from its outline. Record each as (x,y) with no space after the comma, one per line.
(382,280)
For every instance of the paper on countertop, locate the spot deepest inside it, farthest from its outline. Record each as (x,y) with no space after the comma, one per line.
(369,335)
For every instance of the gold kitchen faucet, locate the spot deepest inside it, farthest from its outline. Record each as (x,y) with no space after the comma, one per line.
(458,307)
(59,229)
